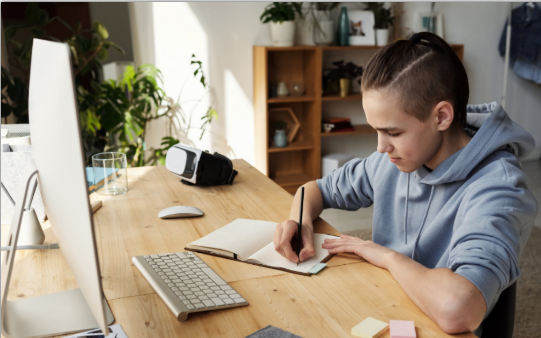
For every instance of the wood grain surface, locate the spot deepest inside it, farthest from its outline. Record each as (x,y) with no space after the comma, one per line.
(325,305)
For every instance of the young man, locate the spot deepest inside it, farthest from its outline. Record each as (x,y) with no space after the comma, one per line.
(452,210)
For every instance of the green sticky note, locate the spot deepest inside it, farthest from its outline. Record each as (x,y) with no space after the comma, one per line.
(317,268)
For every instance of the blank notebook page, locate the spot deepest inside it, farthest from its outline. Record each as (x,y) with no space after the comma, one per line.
(242,236)
(270,257)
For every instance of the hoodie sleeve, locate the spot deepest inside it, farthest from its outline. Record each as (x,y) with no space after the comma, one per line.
(495,223)
(348,187)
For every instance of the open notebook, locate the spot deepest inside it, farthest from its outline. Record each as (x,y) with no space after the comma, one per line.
(251,241)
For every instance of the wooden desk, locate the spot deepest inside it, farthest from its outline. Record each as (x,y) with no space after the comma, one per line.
(325,305)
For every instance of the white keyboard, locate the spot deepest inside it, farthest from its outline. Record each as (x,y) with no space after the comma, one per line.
(186,284)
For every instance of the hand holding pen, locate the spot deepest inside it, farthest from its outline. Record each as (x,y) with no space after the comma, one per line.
(299,230)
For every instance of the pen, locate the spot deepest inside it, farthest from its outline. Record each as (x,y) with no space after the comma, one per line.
(299,229)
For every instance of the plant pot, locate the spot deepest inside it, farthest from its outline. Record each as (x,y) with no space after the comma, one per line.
(304,31)
(283,34)
(325,35)
(280,138)
(345,85)
(382,37)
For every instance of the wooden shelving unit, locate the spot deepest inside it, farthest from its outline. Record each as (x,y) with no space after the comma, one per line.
(300,161)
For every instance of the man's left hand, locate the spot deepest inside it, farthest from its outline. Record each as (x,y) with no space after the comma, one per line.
(374,253)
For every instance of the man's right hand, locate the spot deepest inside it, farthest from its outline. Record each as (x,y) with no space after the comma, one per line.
(283,236)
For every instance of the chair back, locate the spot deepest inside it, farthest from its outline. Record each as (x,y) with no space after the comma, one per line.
(501,321)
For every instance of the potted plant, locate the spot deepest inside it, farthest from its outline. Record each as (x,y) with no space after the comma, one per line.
(345,73)
(280,137)
(383,20)
(324,27)
(281,16)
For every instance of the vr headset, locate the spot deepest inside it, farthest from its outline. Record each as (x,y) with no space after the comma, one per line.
(197,167)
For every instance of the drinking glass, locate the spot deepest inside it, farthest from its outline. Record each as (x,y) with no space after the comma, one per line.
(110,173)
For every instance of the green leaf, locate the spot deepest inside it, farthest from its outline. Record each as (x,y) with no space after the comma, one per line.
(32,13)
(100,30)
(103,54)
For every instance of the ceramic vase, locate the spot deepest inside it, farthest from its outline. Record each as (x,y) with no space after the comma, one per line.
(343,28)
(280,138)
(382,37)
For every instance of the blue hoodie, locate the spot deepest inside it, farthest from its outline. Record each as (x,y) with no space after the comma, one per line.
(472,214)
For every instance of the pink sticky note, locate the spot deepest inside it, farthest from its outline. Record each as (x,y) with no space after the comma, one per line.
(402,329)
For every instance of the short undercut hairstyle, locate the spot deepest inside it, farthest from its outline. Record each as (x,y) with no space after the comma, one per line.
(423,71)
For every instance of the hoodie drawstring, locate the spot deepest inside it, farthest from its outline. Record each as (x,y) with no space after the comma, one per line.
(423,223)
(406,216)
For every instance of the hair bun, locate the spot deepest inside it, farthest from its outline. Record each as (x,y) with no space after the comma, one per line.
(415,38)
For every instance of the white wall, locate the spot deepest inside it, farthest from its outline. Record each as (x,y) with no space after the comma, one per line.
(230,29)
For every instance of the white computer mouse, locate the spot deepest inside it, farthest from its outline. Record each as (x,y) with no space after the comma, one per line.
(180,211)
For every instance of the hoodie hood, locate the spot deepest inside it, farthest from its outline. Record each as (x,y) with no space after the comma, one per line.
(491,129)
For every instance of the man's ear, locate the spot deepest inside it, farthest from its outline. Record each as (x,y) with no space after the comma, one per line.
(444,115)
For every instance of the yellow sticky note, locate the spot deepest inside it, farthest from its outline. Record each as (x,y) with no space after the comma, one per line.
(369,328)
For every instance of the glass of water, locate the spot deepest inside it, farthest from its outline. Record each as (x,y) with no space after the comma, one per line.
(110,173)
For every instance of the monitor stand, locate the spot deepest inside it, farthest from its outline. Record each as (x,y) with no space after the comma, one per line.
(43,316)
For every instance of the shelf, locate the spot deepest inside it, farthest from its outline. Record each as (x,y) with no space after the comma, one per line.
(297,145)
(359,129)
(337,97)
(304,98)
(351,47)
(285,180)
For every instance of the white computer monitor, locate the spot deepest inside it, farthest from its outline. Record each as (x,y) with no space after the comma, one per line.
(58,157)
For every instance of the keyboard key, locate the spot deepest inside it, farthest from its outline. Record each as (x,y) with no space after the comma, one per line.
(163,255)
(235,296)
(219,292)
(185,301)
(197,280)
(187,293)
(200,283)
(226,287)
(181,255)
(182,297)
(191,297)
(201,265)
(212,295)
(190,306)
(204,287)
(230,292)
(240,300)
(200,306)
(208,291)
(174,288)
(167,280)
(218,301)
(211,284)
(195,300)
(154,256)
(209,303)
(178,293)
(170,285)
(191,285)
(215,288)
(207,280)
(198,293)
(202,297)
(217,279)
(176,280)
(184,289)
(229,301)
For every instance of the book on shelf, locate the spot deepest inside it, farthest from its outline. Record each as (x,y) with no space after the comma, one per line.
(251,241)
